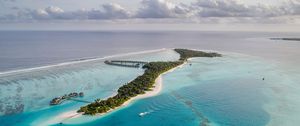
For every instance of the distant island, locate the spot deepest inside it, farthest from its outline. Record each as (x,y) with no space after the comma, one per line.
(142,83)
(288,39)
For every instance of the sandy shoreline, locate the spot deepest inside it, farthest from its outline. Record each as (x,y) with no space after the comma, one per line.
(155,91)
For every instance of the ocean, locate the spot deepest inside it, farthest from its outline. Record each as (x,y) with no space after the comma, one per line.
(228,91)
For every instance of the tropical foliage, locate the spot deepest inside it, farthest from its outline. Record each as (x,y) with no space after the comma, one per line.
(142,83)
(186,54)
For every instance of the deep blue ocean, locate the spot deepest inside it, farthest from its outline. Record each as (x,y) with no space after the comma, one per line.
(27,49)
(228,91)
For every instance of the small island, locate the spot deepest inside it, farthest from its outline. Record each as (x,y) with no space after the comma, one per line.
(287,39)
(142,83)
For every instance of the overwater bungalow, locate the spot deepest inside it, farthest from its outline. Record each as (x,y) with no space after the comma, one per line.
(58,100)
(55,101)
(81,94)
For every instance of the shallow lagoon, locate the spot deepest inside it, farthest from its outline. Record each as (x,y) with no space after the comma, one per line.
(226,91)
(33,89)
(210,89)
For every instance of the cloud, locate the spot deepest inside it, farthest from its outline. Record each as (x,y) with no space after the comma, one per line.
(48,13)
(109,11)
(234,8)
(292,7)
(106,11)
(161,9)
(199,11)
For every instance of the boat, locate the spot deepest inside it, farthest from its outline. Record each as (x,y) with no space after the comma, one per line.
(143,114)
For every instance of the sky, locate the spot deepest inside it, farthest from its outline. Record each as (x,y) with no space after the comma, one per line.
(231,12)
(7,5)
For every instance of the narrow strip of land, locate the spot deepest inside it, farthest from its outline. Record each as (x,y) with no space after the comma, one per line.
(141,84)
(125,63)
(288,39)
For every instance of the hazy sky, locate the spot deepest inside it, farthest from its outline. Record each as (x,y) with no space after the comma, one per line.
(9,6)
(75,4)
(151,11)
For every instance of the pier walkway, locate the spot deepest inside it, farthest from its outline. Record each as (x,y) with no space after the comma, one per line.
(125,63)
(78,100)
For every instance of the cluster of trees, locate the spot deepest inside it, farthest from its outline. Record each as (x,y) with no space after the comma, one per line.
(138,86)
(291,39)
(186,54)
(142,83)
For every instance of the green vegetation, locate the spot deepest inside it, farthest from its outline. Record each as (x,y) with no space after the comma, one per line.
(288,39)
(138,86)
(291,39)
(142,83)
(186,54)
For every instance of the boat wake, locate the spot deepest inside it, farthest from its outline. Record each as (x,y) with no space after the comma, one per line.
(142,114)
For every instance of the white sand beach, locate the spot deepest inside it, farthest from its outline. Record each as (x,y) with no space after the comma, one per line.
(155,91)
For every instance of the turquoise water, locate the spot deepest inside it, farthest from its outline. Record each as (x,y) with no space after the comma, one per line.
(226,91)
(25,95)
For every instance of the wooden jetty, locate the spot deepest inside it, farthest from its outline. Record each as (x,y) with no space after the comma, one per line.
(125,63)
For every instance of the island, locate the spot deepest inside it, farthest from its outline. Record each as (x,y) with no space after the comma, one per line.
(142,83)
(288,39)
